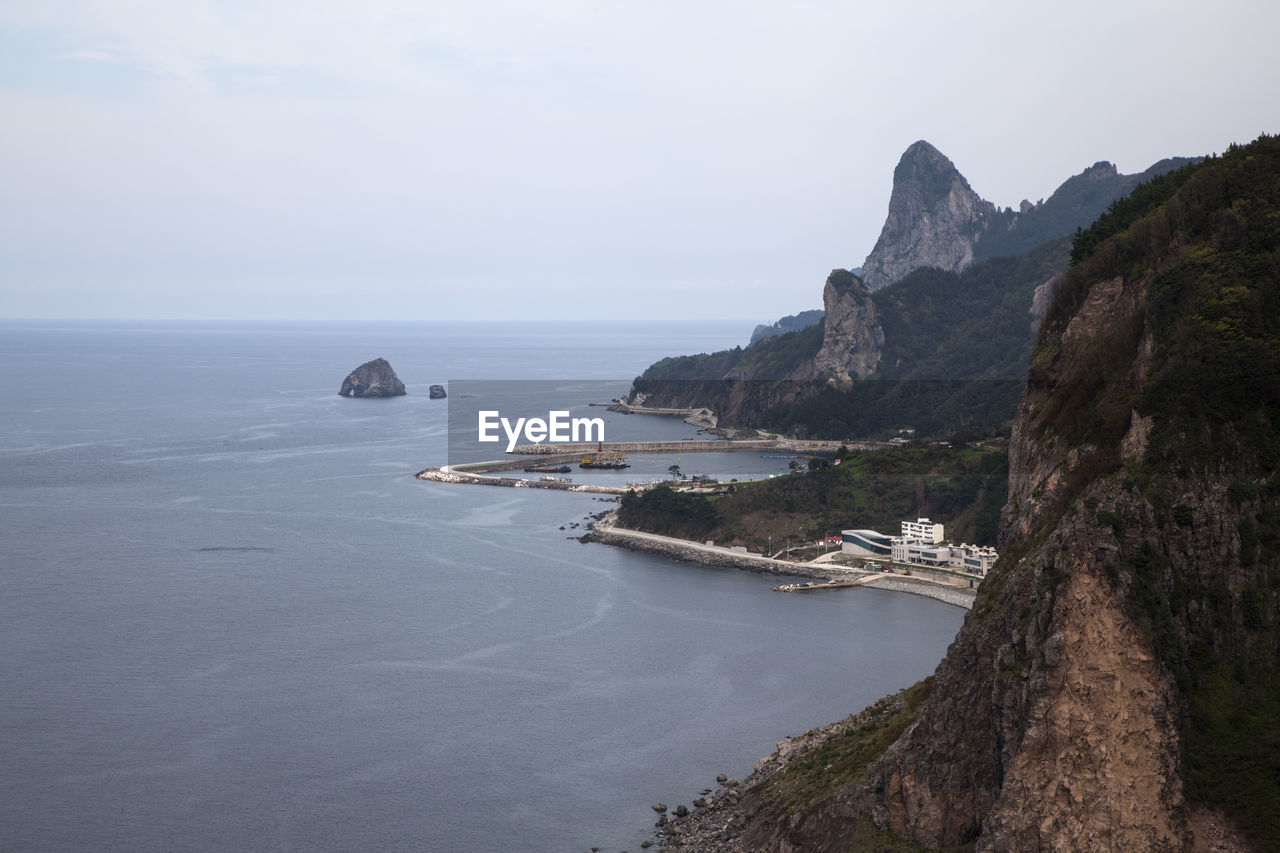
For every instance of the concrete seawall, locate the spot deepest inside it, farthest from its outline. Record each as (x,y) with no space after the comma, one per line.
(713,445)
(474,474)
(604,530)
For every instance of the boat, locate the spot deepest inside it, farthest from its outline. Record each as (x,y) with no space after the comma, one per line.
(604,462)
(548,469)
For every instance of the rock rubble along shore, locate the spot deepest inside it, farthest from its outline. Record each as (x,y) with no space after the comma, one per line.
(721,824)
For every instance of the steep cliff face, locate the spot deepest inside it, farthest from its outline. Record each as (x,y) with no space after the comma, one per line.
(1080,705)
(1115,681)
(851,334)
(935,219)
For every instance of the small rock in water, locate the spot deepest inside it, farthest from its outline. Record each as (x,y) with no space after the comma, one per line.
(682,810)
(721,778)
(659,807)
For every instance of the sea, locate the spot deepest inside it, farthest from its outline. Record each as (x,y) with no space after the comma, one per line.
(231,618)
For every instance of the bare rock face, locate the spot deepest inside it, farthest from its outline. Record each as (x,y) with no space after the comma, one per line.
(1115,678)
(372,379)
(935,219)
(1040,300)
(851,334)
(437,392)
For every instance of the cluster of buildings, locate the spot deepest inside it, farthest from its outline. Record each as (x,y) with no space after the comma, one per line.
(921,543)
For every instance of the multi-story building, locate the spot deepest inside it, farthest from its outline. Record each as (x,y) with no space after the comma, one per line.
(978,561)
(923,530)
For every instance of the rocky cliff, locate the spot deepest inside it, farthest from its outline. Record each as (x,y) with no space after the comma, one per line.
(935,219)
(372,379)
(1114,686)
(851,333)
(931,323)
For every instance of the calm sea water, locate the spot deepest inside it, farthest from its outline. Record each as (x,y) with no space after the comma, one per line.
(231,619)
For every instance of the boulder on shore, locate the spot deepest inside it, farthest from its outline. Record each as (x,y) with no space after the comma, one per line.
(372,379)
(436,392)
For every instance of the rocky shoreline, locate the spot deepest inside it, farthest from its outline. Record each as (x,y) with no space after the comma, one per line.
(719,819)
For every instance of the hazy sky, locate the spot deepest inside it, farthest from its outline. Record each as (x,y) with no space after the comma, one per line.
(402,159)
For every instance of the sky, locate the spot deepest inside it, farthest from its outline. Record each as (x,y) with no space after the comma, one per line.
(561,159)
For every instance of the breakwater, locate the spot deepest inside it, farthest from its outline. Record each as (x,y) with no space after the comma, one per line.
(707,446)
(604,530)
(476,473)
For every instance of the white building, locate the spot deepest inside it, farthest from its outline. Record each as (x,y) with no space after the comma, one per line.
(923,530)
(866,543)
(921,553)
(978,561)
(921,544)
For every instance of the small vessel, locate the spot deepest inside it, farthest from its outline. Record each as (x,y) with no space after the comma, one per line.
(604,461)
(605,464)
(548,469)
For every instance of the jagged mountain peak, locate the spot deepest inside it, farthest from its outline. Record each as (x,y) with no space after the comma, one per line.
(934,220)
(924,164)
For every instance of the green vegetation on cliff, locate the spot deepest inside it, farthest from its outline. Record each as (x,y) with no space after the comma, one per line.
(839,762)
(956,349)
(789,323)
(963,487)
(974,325)
(769,358)
(1080,200)
(1197,517)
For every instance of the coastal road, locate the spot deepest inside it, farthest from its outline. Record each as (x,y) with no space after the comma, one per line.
(606,524)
